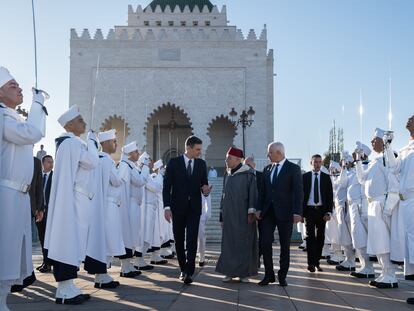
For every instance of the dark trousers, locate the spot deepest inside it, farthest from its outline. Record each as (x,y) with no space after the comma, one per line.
(267,230)
(185,227)
(61,271)
(128,254)
(41,230)
(93,266)
(315,230)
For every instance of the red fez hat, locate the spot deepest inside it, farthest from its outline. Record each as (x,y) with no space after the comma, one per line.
(236,152)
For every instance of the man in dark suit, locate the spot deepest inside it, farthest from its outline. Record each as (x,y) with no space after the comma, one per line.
(279,205)
(47,175)
(317,208)
(184,181)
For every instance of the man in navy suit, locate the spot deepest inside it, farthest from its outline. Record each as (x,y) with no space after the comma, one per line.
(279,205)
(185,181)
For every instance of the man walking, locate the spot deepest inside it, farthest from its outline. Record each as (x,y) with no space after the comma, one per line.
(185,179)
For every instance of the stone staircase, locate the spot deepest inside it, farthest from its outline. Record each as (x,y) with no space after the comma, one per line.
(213,228)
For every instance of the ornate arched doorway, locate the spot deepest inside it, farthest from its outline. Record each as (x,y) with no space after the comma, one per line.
(121,127)
(166,131)
(222,133)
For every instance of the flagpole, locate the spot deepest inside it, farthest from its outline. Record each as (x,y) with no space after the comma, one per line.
(125,92)
(159,139)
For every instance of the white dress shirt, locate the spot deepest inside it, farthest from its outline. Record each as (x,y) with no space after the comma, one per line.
(186,160)
(311,201)
(274,164)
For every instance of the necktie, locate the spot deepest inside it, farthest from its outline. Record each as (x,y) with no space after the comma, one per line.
(316,190)
(189,170)
(275,173)
(44,180)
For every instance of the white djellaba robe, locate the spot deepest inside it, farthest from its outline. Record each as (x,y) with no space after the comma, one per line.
(132,214)
(375,179)
(152,228)
(111,203)
(205,216)
(17,137)
(70,203)
(404,166)
(358,210)
(340,184)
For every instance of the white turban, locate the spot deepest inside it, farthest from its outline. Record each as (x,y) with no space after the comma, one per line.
(5,76)
(69,115)
(130,147)
(107,135)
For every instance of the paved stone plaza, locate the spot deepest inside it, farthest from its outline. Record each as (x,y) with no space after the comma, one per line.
(161,290)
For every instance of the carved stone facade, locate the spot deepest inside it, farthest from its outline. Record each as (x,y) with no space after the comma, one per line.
(183,68)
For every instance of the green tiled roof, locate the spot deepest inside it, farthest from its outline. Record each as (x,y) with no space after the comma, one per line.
(181,4)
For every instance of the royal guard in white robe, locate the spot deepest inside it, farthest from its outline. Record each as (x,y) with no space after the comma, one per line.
(375,178)
(131,211)
(358,211)
(393,216)
(205,216)
(332,227)
(17,137)
(71,200)
(109,183)
(403,166)
(167,237)
(152,228)
(340,185)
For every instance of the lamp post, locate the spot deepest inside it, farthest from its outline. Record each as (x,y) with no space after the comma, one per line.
(246,119)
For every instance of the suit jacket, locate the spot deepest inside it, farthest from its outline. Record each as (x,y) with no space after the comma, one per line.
(325,188)
(179,190)
(36,188)
(285,196)
(47,190)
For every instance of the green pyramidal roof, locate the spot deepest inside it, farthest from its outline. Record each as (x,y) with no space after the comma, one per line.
(181,4)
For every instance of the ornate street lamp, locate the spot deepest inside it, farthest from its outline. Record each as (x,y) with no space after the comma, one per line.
(246,119)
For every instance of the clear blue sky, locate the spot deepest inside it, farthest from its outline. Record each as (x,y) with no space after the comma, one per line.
(325,52)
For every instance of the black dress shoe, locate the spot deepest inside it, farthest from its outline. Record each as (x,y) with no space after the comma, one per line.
(188,279)
(342,268)
(72,301)
(144,268)
(301,247)
(112,284)
(45,269)
(182,276)
(40,267)
(332,262)
(385,285)
(409,277)
(305,249)
(311,268)
(201,263)
(161,262)
(362,275)
(319,269)
(282,282)
(130,274)
(373,283)
(168,256)
(86,296)
(410,301)
(267,280)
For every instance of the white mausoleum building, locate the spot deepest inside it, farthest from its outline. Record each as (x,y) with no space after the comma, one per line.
(176,68)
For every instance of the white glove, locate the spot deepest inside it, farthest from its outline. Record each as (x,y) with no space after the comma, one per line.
(92,136)
(38,97)
(144,159)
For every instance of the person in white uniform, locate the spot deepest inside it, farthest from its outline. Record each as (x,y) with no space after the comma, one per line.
(358,211)
(152,223)
(403,167)
(71,199)
(109,185)
(17,137)
(132,213)
(340,185)
(375,179)
(332,227)
(205,216)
